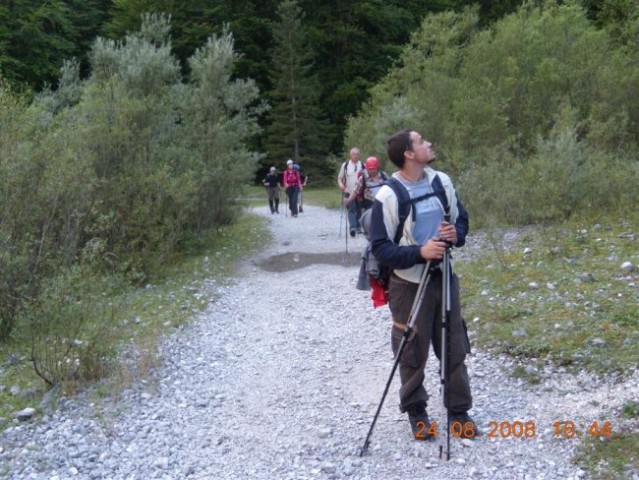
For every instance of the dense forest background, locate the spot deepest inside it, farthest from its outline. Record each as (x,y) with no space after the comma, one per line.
(313,61)
(128,127)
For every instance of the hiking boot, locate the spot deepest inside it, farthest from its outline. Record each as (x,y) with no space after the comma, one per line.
(301,210)
(353,231)
(420,425)
(462,426)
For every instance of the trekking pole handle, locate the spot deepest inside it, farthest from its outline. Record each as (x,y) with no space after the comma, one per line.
(449,245)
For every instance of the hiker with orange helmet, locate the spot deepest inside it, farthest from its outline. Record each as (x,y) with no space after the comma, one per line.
(368,183)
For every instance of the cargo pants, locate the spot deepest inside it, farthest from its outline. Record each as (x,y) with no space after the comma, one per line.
(428,330)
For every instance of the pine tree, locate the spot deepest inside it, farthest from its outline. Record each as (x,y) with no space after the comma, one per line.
(295,128)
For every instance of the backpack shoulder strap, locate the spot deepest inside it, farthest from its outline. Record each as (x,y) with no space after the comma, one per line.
(403,205)
(439,190)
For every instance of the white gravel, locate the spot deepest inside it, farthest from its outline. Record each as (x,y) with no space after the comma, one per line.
(279,379)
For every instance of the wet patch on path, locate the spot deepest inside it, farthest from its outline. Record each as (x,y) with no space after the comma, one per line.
(294,260)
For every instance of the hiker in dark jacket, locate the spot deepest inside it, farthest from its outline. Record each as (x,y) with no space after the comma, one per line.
(424,238)
(272,183)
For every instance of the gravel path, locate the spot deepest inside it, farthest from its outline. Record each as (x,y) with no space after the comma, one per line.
(279,379)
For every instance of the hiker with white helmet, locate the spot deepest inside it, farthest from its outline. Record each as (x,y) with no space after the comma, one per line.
(292,184)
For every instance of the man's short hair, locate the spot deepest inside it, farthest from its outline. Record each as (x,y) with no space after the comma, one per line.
(397,144)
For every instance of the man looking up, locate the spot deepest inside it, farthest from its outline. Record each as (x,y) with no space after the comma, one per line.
(424,238)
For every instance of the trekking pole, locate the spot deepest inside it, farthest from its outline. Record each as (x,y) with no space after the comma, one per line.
(444,364)
(286,211)
(341,213)
(408,332)
(346,231)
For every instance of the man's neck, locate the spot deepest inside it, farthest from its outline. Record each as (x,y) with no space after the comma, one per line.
(412,172)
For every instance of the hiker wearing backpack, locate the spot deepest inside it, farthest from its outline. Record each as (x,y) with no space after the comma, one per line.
(272,183)
(423,237)
(292,184)
(303,182)
(347,182)
(368,183)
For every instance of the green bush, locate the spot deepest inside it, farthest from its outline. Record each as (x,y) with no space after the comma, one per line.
(125,165)
(534,117)
(71,325)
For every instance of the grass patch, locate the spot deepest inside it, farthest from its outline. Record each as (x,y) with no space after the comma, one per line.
(630,409)
(180,290)
(559,293)
(255,196)
(610,458)
(323,197)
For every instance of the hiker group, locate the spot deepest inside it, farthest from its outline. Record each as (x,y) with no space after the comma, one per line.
(412,220)
(293,181)
(359,182)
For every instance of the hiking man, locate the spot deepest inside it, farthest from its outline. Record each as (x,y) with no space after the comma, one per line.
(424,238)
(347,182)
(368,183)
(272,183)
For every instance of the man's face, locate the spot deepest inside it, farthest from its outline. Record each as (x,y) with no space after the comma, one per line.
(422,150)
(354,155)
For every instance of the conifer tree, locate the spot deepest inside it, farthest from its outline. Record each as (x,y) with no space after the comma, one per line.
(294,126)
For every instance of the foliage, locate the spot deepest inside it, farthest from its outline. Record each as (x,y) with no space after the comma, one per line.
(36,37)
(610,458)
(564,287)
(295,128)
(121,167)
(631,409)
(127,321)
(527,114)
(354,43)
(72,327)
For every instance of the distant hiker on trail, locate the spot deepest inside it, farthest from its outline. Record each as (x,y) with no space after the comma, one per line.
(292,184)
(304,180)
(347,182)
(272,183)
(368,183)
(424,238)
